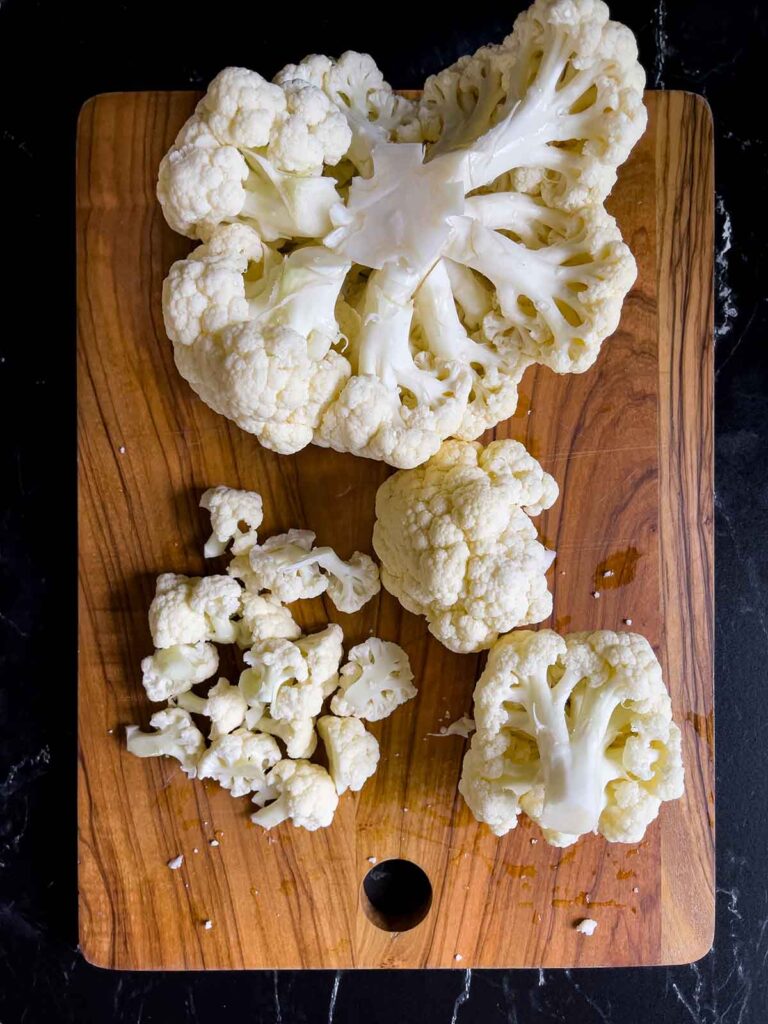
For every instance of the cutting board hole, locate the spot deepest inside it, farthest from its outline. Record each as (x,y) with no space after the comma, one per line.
(396,895)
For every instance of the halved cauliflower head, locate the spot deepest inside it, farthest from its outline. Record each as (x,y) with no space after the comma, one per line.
(353,753)
(574,731)
(457,545)
(375,295)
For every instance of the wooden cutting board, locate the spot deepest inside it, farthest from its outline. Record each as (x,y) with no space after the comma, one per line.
(630,444)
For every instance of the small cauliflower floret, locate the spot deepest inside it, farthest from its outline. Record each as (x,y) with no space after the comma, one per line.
(235,517)
(353,753)
(273,664)
(224,704)
(323,652)
(298,734)
(373,111)
(254,152)
(574,731)
(176,736)
(456,544)
(186,610)
(376,680)
(240,762)
(264,617)
(278,566)
(290,568)
(306,796)
(174,670)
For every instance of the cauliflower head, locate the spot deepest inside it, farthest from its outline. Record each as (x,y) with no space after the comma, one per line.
(457,545)
(305,794)
(376,275)
(574,731)
(376,679)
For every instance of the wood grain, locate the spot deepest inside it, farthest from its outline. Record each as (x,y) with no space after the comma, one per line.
(630,443)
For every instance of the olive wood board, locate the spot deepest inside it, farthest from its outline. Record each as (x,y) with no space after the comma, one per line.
(630,444)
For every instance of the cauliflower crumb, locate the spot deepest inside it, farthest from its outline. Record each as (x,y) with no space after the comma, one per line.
(627,622)
(635,889)
(208,925)
(595,593)
(121,449)
(176,862)
(372,860)
(458,957)
(586,926)
(214,842)
(608,573)
(534,841)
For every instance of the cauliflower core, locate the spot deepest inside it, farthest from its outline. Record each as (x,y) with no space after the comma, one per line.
(574,731)
(457,545)
(377,274)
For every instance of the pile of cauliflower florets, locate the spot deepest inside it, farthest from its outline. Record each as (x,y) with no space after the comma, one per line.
(377,273)
(263,729)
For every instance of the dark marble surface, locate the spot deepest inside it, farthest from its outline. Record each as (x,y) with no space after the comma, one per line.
(52,57)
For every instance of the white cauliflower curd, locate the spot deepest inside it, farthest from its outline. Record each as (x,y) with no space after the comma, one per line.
(577,733)
(377,274)
(457,545)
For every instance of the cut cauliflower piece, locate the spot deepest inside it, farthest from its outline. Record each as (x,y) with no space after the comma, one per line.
(576,732)
(456,545)
(224,704)
(290,568)
(240,762)
(306,796)
(274,663)
(323,653)
(353,753)
(298,734)
(354,83)
(254,153)
(264,617)
(174,670)
(229,508)
(187,610)
(376,679)
(175,735)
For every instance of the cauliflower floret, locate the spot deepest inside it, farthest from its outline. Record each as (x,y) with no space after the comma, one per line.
(457,546)
(298,734)
(576,732)
(290,568)
(305,794)
(240,762)
(186,610)
(224,705)
(176,736)
(376,679)
(263,617)
(174,670)
(229,508)
(323,652)
(254,152)
(357,87)
(207,291)
(273,664)
(278,566)
(353,753)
